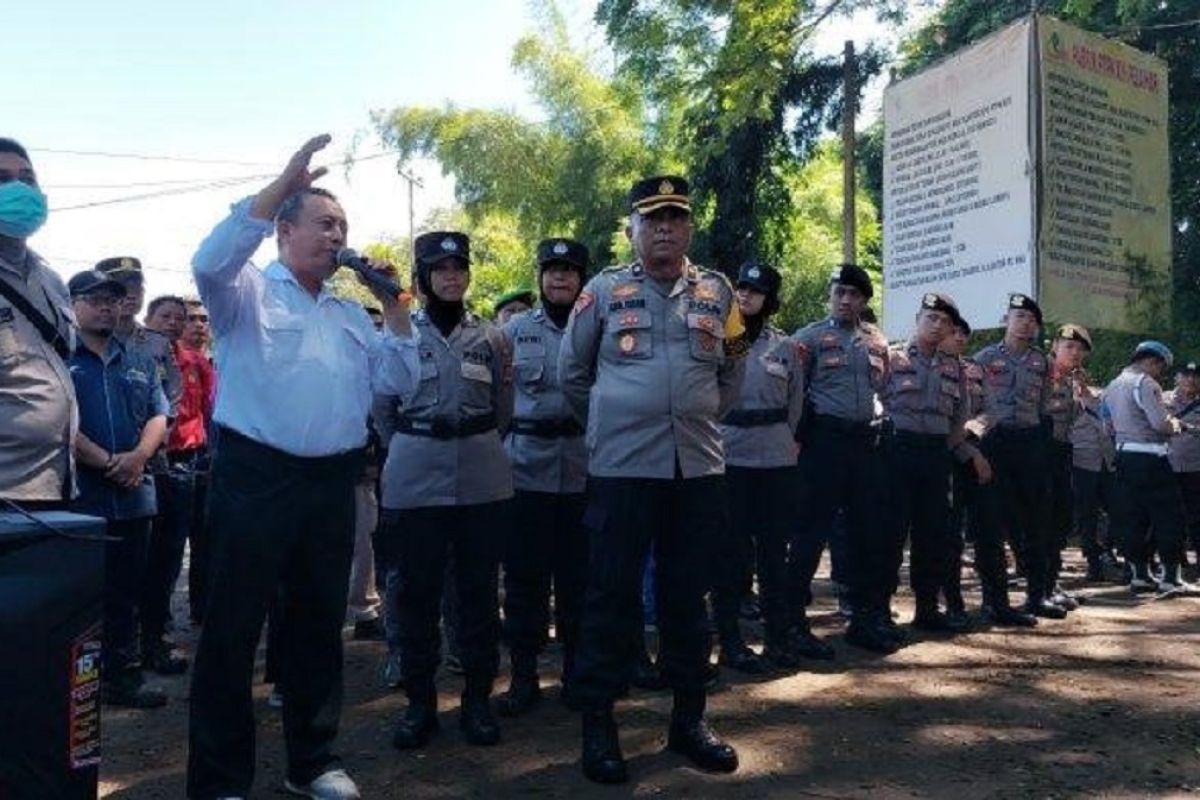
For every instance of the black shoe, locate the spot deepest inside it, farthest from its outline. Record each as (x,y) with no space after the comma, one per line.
(1006,616)
(602,759)
(418,725)
(958,620)
(369,630)
(697,742)
(781,657)
(523,694)
(712,676)
(741,658)
(805,644)
(1060,597)
(476,721)
(162,658)
(647,676)
(1041,607)
(128,690)
(869,636)
(931,620)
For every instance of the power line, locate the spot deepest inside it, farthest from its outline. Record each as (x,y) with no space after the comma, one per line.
(221,183)
(146,157)
(132,184)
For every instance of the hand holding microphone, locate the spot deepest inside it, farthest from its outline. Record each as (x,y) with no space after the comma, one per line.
(389,291)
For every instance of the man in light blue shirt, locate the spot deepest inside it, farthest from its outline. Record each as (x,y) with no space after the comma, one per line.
(295,366)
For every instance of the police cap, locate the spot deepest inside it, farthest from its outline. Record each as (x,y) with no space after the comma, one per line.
(92,280)
(122,268)
(661,191)
(760,277)
(1026,303)
(853,275)
(1076,333)
(436,246)
(564,251)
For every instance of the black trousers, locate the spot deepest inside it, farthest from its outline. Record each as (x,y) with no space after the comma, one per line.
(124,575)
(199,538)
(546,543)
(416,543)
(1013,503)
(761,518)
(841,471)
(963,483)
(1189,486)
(278,522)
(680,518)
(1092,491)
(918,487)
(1059,513)
(1150,511)
(175,493)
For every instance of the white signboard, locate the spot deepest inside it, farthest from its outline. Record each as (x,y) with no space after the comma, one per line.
(959,183)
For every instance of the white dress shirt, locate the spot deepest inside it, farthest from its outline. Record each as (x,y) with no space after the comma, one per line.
(295,371)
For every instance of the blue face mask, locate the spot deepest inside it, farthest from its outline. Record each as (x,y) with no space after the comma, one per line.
(22,209)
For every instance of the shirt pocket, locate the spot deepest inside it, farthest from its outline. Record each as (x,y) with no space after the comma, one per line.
(136,387)
(529,367)
(949,396)
(706,336)
(425,395)
(832,355)
(476,387)
(283,336)
(905,391)
(631,333)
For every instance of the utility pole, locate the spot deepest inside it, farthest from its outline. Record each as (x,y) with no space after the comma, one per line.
(413,181)
(850,97)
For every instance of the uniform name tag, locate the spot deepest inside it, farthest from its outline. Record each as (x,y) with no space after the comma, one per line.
(476,372)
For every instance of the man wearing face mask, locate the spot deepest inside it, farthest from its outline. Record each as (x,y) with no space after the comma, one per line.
(37,334)
(652,359)
(295,364)
(444,486)
(546,539)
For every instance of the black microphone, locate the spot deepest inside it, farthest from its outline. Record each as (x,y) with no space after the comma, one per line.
(348,257)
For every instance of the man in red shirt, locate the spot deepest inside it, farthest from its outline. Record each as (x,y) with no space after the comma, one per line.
(186,442)
(199,395)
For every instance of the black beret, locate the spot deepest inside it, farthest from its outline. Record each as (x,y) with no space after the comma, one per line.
(935,301)
(435,246)
(566,251)
(761,277)
(853,275)
(1076,333)
(651,194)
(1026,303)
(93,280)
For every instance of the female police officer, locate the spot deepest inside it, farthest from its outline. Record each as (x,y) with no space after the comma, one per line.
(444,484)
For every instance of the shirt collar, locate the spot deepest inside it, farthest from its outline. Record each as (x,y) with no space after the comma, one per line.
(276,271)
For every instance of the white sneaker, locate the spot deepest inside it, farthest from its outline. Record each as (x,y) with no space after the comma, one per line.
(332,785)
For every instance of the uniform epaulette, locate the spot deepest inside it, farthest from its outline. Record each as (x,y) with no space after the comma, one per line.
(614,268)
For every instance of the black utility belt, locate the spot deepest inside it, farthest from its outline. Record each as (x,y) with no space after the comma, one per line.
(549,428)
(932,441)
(1011,433)
(445,428)
(827,422)
(755,418)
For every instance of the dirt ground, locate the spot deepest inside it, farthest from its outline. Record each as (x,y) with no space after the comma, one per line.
(1104,704)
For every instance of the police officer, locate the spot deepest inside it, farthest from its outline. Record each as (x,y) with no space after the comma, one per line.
(1184,403)
(967,473)
(845,362)
(1067,384)
(1093,462)
(444,485)
(1150,502)
(761,478)
(652,360)
(1014,436)
(513,303)
(546,539)
(37,333)
(925,403)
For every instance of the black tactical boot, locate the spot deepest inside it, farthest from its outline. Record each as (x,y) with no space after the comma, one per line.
(523,690)
(602,759)
(420,722)
(929,618)
(804,643)
(692,738)
(475,718)
(866,630)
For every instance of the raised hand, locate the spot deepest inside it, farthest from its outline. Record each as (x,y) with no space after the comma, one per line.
(295,176)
